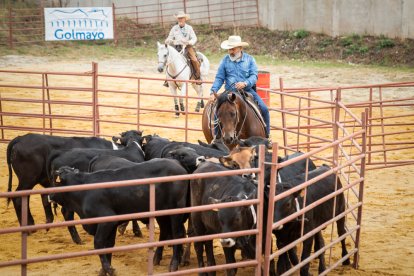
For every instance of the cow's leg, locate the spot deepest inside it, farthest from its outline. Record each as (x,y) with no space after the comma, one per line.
(164,228)
(229,254)
(319,243)
(69,215)
(293,256)
(340,225)
(104,238)
(199,249)
(185,260)
(307,247)
(178,232)
(48,208)
(17,201)
(136,229)
(211,261)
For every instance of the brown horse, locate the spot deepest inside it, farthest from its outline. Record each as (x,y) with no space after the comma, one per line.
(234,118)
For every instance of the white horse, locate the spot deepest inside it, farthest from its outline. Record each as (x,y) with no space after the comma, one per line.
(178,69)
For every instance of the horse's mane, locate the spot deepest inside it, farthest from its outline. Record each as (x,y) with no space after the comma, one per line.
(223,97)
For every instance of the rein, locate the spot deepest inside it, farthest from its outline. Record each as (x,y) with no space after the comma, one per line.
(167,65)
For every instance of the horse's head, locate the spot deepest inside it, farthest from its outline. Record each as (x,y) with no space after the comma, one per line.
(228,113)
(162,54)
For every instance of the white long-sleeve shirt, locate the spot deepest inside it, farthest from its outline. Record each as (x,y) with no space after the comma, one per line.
(181,35)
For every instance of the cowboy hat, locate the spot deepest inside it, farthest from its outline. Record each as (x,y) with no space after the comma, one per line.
(182,14)
(233,42)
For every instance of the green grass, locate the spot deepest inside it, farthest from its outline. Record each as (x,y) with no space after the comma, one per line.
(80,50)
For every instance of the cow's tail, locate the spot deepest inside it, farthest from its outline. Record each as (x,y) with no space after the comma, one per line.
(9,165)
(52,155)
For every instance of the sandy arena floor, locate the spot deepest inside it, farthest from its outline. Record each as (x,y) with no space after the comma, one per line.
(387,245)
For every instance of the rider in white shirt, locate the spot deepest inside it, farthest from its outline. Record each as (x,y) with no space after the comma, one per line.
(183,35)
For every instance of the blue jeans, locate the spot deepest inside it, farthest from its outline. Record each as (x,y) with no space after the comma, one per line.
(263,109)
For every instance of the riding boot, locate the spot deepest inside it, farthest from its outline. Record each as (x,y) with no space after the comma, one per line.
(176,111)
(166,84)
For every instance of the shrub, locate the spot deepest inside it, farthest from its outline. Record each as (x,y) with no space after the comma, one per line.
(301,34)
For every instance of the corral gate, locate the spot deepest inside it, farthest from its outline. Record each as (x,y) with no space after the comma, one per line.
(343,150)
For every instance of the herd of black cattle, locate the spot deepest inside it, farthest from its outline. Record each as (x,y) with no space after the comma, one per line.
(61,161)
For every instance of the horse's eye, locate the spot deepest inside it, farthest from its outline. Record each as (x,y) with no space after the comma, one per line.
(232,114)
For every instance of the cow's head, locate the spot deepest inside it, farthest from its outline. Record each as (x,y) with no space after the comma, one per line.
(131,135)
(286,205)
(235,218)
(240,158)
(187,156)
(255,141)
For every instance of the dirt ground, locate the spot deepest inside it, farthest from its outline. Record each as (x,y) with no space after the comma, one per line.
(387,243)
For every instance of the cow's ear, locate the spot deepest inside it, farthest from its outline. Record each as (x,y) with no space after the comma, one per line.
(213,201)
(300,193)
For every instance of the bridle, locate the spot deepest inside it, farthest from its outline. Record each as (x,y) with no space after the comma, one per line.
(237,133)
(166,64)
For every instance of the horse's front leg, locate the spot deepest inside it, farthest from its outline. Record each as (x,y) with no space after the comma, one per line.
(183,93)
(173,91)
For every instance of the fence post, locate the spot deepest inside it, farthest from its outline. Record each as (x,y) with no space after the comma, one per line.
(282,107)
(10,28)
(25,208)
(114,18)
(260,195)
(95,109)
(270,208)
(151,229)
(335,127)
(1,119)
(361,186)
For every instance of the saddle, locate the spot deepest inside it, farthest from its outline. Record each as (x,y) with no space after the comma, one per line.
(246,96)
(189,63)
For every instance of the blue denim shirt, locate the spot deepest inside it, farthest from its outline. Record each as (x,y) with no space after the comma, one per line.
(231,72)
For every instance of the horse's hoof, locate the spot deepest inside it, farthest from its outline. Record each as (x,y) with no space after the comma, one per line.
(182,108)
(202,104)
(197,109)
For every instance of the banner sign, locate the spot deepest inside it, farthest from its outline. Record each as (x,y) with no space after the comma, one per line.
(80,23)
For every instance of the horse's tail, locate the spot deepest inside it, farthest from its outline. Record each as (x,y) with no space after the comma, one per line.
(204,66)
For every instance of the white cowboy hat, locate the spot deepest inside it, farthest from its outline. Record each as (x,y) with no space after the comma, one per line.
(182,14)
(233,42)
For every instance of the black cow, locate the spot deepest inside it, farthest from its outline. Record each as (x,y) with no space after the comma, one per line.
(109,162)
(215,190)
(153,145)
(125,200)
(27,156)
(217,144)
(79,158)
(201,150)
(313,218)
(288,171)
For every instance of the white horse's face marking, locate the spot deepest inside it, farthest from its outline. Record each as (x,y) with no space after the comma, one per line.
(162,57)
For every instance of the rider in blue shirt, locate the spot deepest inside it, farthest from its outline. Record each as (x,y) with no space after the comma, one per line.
(238,70)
